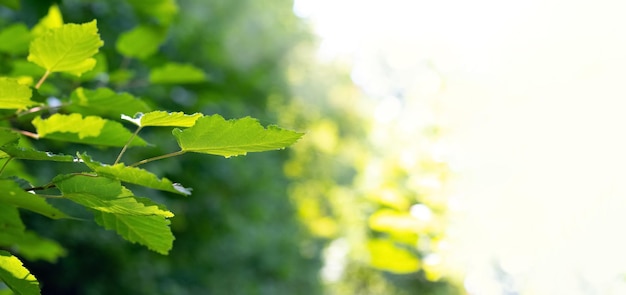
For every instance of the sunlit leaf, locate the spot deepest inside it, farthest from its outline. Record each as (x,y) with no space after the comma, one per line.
(14,95)
(69,48)
(101,68)
(174,73)
(90,126)
(134,175)
(16,276)
(140,42)
(217,136)
(151,231)
(394,221)
(14,39)
(89,130)
(105,102)
(162,118)
(105,195)
(14,195)
(384,254)
(52,20)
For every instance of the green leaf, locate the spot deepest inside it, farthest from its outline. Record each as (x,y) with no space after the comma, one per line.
(140,42)
(89,130)
(121,76)
(151,231)
(54,19)
(101,68)
(14,39)
(106,195)
(10,220)
(217,136)
(134,175)
(105,102)
(16,276)
(31,246)
(68,49)
(31,154)
(387,256)
(13,195)
(13,4)
(14,95)
(174,73)
(7,136)
(25,68)
(13,235)
(162,10)
(162,118)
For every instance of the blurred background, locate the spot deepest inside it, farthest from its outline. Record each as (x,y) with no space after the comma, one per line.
(452,147)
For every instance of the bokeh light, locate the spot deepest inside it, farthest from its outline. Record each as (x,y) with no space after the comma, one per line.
(528,99)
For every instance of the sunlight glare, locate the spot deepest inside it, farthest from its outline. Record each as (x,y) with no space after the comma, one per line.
(532,96)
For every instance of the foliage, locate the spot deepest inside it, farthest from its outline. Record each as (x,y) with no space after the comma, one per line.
(94,117)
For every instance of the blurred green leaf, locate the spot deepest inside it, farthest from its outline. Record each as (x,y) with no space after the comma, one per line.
(162,10)
(105,102)
(16,276)
(14,195)
(14,95)
(384,254)
(31,246)
(387,220)
(217,136)
(141,42)
(101,67)
(25,68)
(14,39)
(10,220)
(13,4)
(8,136)
(52,20)
(174,73)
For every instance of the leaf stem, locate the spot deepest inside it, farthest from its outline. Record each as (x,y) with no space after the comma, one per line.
(119,157)
(51,196)
(5,164)
(27,133)
(41,188)
(178,153)
(43,78)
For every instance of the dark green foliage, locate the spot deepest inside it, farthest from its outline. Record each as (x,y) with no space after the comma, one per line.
(236,234)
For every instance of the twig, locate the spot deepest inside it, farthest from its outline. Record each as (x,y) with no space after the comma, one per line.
(119,157)
(178,153)
(43,78)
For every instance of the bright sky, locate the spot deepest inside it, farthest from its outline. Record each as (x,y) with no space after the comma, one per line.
(534,105)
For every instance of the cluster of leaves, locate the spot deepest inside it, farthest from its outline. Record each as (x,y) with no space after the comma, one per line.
(95,117)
